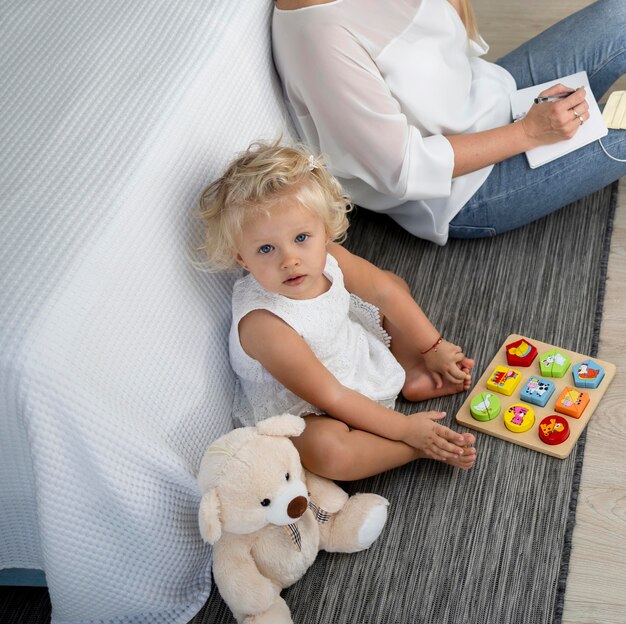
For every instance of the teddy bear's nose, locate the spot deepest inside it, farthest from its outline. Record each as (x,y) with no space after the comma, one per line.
(297,507)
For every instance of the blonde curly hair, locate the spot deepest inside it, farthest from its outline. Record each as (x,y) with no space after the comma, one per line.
(257,180)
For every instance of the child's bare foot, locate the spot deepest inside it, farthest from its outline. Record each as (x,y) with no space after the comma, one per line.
(468,380)
(434,441)
(468,459)
(419,384)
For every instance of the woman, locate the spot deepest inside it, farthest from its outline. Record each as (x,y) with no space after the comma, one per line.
(416,124)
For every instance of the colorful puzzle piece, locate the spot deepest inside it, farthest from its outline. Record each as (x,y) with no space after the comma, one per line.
(520,353)
(519,418)
(572,402)
(485,406)
(587,374)
(537,391)
(504,380)
(553,429)
(554,363)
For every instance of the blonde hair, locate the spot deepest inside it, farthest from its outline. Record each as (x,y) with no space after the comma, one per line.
(258,179)
(468,18)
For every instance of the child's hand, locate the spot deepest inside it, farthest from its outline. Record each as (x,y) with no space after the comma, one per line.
(448,362)
(439,442)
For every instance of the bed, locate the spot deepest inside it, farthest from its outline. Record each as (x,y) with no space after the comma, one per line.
(113,352)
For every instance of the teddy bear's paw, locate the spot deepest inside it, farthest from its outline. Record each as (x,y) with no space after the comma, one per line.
(356,525)
(373,524)
(278,613)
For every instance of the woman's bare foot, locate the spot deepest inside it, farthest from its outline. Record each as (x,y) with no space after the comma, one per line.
(419,384)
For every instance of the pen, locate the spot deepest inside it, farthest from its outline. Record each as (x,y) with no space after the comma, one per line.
(553,98)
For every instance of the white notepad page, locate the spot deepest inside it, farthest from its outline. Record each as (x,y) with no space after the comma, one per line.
(594,128)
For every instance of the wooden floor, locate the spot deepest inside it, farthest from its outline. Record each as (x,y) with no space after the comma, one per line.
(596,585)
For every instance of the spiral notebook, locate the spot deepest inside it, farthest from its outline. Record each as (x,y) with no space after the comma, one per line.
(594,128)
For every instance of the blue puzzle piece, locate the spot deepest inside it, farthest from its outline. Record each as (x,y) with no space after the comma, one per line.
(537,391)
(588,374)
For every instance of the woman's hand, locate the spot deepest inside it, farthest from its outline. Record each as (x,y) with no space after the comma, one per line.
(550,122)
(445,362)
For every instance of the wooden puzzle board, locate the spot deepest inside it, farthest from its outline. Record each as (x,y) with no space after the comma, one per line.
(530,439)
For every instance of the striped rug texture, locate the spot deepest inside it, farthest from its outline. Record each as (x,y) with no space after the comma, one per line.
(492,545)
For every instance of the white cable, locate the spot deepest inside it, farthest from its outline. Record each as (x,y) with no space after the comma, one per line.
(609,155)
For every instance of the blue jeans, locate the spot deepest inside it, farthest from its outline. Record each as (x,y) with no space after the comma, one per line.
(594,39)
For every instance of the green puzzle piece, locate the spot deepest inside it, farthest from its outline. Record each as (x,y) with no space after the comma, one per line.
(553,363)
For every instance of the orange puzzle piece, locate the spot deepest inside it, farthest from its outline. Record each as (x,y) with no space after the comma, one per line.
(572,402)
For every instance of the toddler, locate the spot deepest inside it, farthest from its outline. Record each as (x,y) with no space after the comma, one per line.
(322,333)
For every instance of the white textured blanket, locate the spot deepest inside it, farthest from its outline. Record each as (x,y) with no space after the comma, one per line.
(113,364)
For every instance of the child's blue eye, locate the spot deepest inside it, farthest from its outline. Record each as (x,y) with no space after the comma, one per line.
(301,238)
(265,249)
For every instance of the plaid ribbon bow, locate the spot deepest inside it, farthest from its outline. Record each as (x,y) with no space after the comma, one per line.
(320,514)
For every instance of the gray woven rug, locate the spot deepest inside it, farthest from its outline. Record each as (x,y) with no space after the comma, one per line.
(489,546)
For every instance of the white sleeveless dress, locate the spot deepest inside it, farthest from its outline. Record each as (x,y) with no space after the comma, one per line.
(342,330)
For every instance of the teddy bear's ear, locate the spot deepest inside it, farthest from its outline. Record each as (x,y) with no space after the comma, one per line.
(209,517)
(285,425)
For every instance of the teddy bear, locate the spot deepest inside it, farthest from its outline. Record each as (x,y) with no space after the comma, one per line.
(267,517)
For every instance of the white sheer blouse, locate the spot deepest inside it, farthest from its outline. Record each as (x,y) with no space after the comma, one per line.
(375,85)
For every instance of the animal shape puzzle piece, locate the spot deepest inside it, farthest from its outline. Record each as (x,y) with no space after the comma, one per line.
(554,363)
(504,380)
(554,429)
(537,391)
(485,406)
(520,353)
(572,402)
(587,374)
(519,418)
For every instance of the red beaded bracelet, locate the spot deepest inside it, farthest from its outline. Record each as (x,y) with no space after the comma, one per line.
(434,347)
